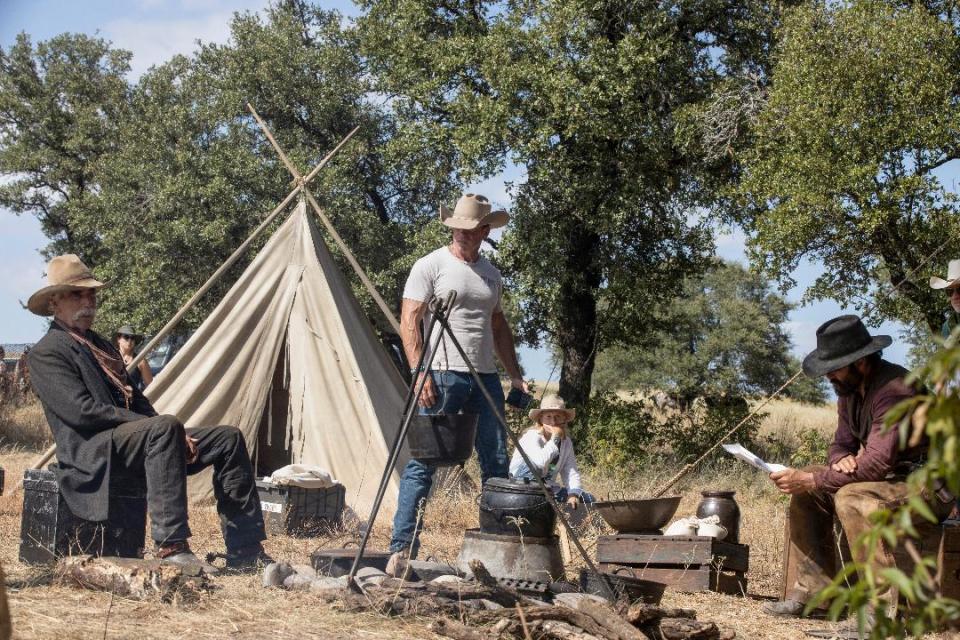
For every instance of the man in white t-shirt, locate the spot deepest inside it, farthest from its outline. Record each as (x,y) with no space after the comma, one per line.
(481,329)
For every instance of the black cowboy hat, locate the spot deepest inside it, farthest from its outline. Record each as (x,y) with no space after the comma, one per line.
(127,330)
(840,342)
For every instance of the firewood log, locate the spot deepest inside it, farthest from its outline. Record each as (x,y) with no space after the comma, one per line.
(561,631)
(640,614)
(685,629)
(610,620)
(130,577)
(453,629)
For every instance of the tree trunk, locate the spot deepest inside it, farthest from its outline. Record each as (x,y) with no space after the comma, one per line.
(576,322)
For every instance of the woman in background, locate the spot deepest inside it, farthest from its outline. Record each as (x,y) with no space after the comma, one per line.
(126,341)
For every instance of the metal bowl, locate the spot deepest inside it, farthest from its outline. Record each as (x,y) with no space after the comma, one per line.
(633,516)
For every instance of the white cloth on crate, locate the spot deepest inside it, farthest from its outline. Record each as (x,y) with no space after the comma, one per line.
(479,287)
(303,475)
(542,452)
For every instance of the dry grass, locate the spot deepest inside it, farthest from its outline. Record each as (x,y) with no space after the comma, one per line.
(240,608)
(23,424)
(785,417)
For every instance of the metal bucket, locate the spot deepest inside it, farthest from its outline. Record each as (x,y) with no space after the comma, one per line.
(517,557)
(442,440)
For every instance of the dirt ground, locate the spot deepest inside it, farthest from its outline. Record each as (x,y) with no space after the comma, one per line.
(240,608)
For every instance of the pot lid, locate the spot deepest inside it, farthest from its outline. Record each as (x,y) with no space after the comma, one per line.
(506,485)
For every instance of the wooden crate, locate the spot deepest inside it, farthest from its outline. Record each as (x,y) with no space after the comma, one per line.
(683,563)
(941,541)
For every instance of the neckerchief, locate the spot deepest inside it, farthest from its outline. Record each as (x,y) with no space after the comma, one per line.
(111,365)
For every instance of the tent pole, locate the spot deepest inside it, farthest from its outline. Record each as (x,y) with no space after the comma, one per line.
(388,314)
(367,283)
(167,328)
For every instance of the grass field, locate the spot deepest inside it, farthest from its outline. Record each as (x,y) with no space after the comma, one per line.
(240,608)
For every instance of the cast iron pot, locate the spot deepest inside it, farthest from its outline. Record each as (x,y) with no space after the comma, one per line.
(442,440)
(515,508)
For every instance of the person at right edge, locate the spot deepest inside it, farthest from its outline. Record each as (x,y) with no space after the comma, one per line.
(866,468)
(480,327)
(950,286)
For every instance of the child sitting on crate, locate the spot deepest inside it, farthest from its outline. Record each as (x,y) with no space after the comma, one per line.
(549,448)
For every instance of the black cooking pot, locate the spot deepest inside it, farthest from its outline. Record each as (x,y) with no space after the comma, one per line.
(442,439)
(515,507)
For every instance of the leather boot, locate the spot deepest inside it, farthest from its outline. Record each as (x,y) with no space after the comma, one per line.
(179,554)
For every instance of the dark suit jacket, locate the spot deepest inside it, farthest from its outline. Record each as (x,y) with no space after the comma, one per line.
(82,414)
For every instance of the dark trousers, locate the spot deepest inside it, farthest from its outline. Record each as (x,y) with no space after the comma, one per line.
(154,449)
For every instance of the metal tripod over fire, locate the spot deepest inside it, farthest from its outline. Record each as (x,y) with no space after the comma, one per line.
(439,310)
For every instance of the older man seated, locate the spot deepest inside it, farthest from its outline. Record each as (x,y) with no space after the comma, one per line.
(101,423)
(866,469)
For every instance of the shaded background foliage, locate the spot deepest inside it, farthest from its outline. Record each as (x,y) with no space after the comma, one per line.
(722,336)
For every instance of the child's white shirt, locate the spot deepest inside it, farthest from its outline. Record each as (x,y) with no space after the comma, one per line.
(541,451)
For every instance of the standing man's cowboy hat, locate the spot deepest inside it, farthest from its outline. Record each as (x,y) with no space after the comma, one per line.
(553,403)
(64,273)
(953,277)
(840,342)
(473,211)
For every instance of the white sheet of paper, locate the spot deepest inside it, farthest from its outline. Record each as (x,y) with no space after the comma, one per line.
(738,451)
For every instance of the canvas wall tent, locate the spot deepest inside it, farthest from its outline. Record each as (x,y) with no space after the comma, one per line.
(289,357)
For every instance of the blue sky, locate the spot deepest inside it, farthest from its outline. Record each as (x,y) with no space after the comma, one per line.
(155,30)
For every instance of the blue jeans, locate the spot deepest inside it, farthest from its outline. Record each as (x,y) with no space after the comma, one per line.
(456,393)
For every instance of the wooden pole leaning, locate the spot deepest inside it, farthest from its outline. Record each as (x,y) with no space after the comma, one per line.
(392,319)
(304,181)
(691,465)
(167,328)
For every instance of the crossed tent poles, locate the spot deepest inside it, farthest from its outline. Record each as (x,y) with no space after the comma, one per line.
(300,188)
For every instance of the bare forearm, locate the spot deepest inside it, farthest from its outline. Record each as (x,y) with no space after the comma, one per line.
(145,374)
(410,316)
(504,345)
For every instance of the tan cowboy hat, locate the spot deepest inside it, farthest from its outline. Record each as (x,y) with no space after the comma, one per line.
(953,276)
(64,273)
(473,211)
(552,403)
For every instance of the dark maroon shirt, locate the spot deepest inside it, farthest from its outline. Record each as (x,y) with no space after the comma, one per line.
(860,424)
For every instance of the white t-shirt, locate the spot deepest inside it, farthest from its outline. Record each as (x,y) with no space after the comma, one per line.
(479,287)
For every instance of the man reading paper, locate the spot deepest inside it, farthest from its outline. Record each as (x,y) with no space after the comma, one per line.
(866,468)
